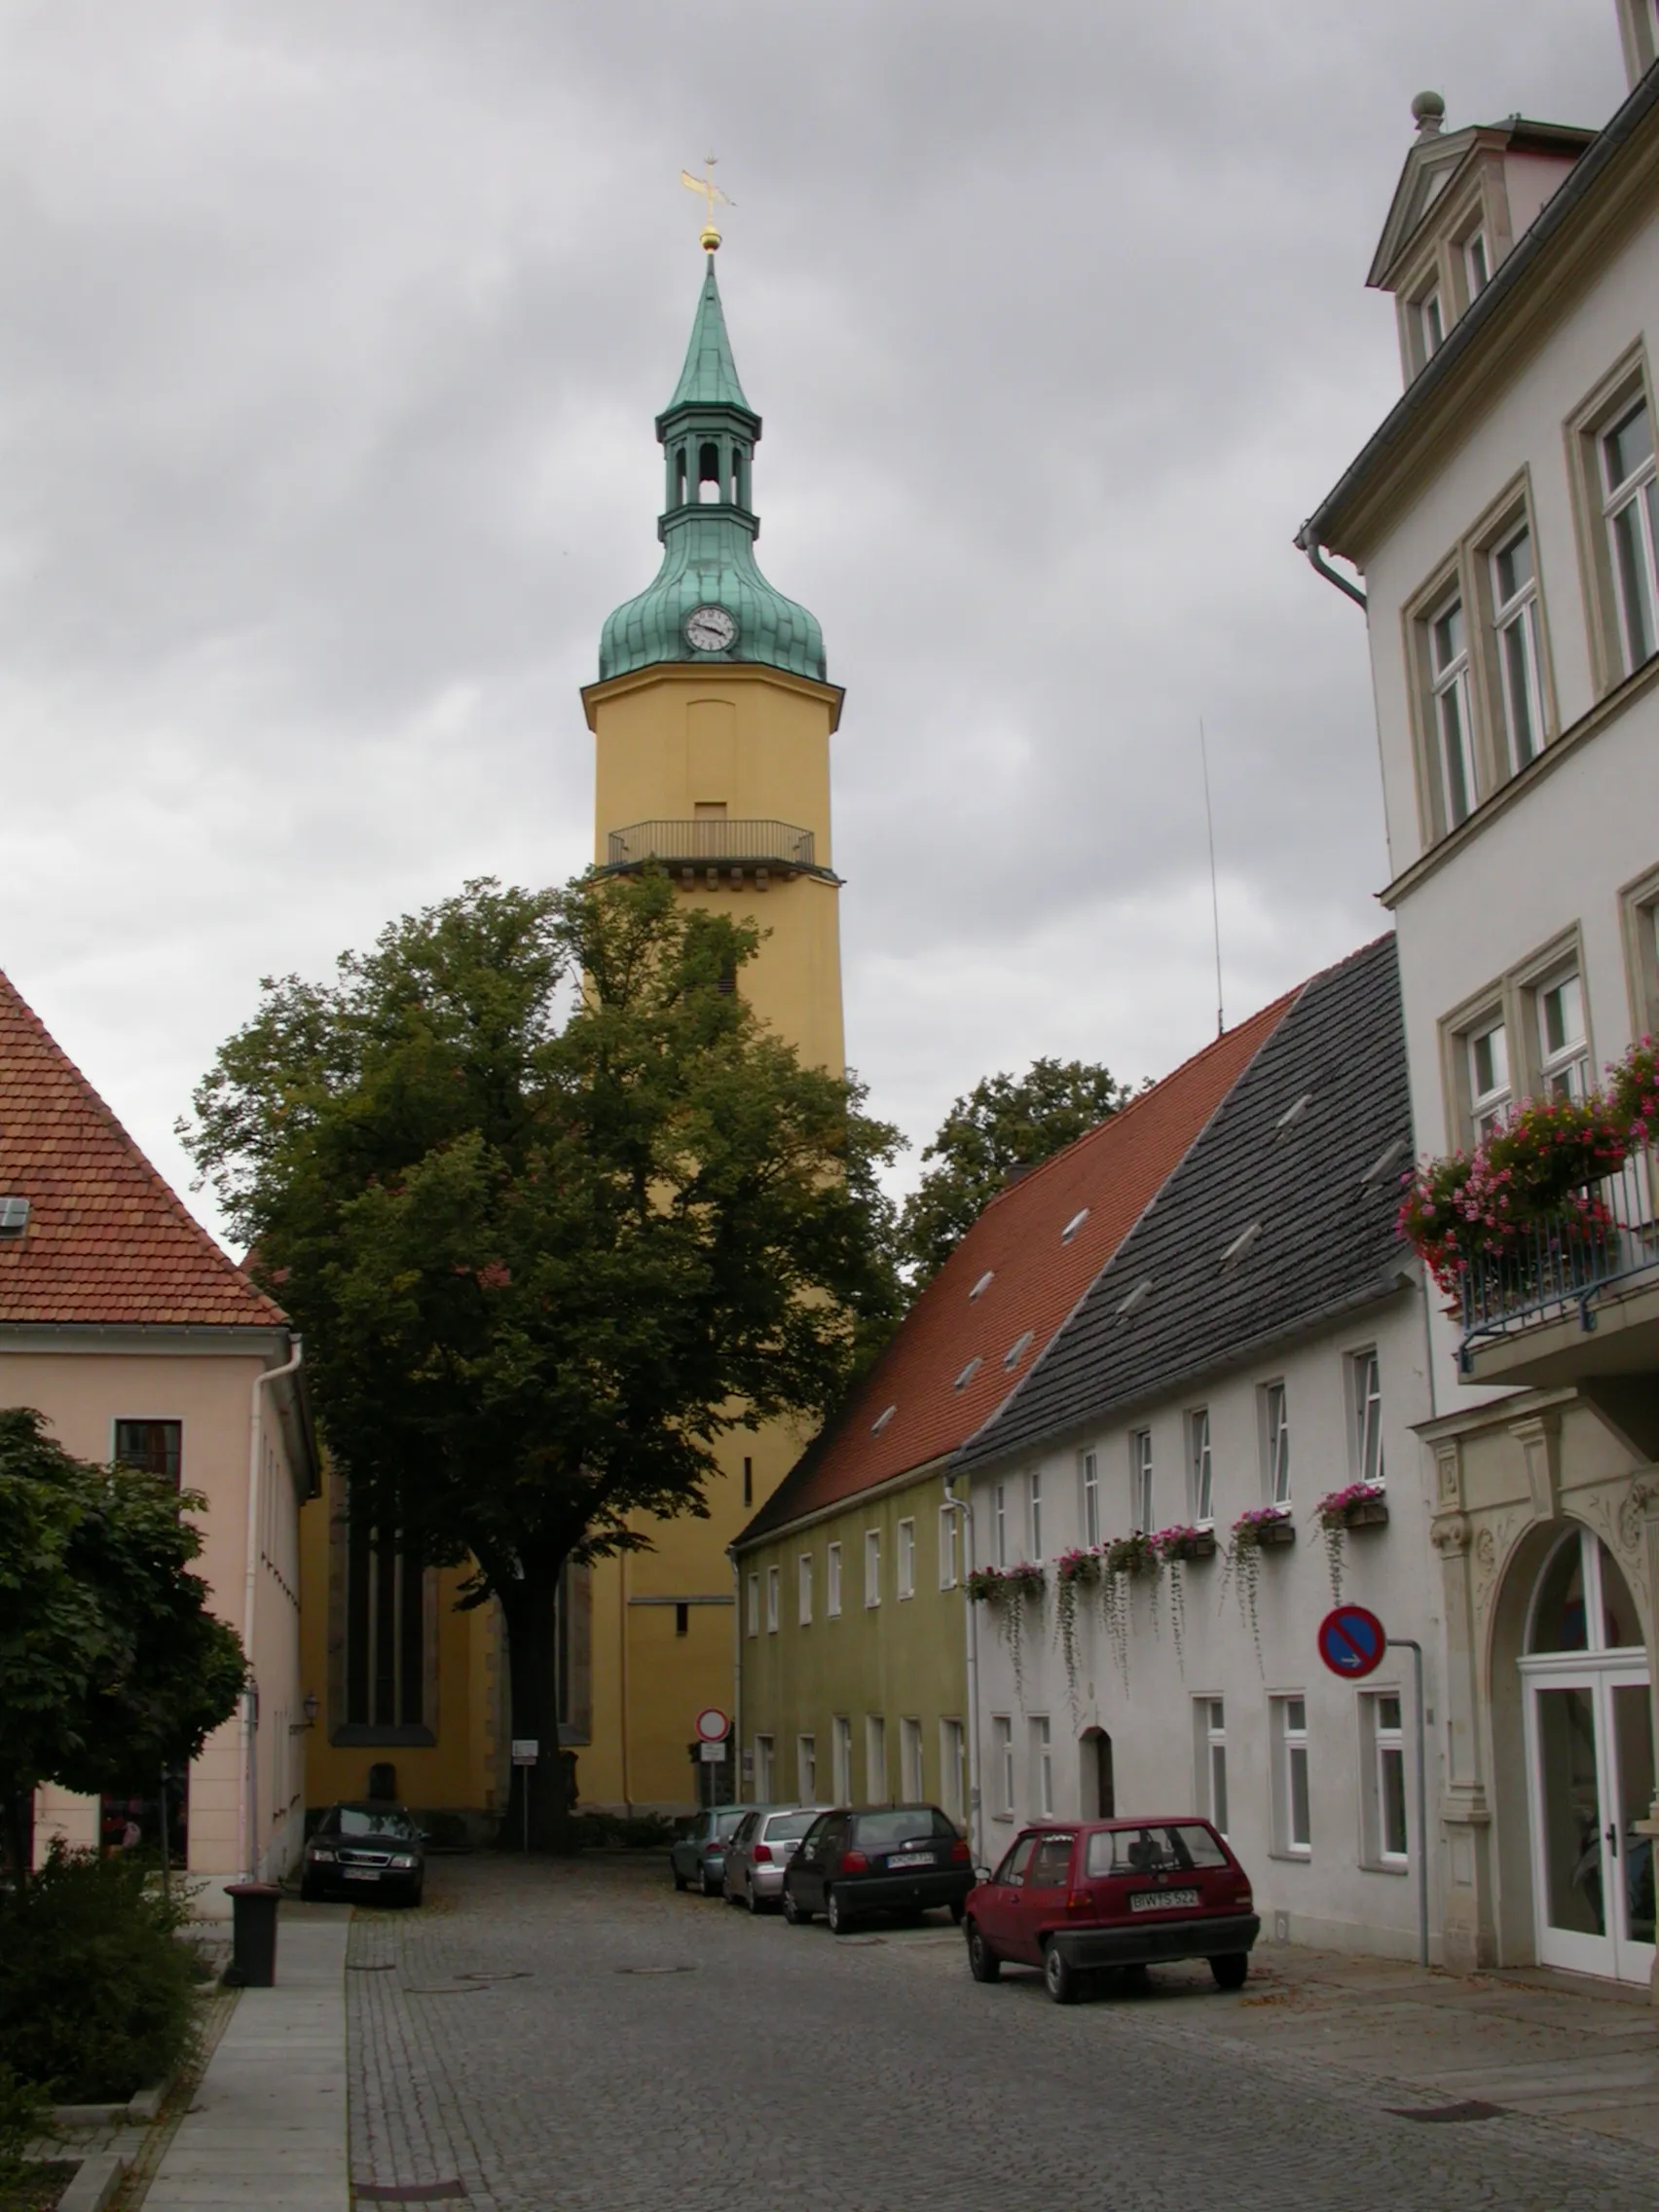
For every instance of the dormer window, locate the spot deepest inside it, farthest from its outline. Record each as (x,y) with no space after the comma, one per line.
(1431,325)
(1477,269)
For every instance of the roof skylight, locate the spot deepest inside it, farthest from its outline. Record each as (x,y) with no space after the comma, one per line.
(1380,1165)
(969,1372)
(1073,1225)
(881,1419)
(982,1285)
(1240,1244)
(1293,1112)
(1016,1351)
(1138,1296)
(14,1216)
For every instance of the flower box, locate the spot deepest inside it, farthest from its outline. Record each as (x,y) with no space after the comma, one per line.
(1183,1544)
(1272,1535)
(1362,1505)
(1263,1528)
(1372,1514)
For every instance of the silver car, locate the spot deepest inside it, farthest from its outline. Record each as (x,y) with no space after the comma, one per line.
(764,1844)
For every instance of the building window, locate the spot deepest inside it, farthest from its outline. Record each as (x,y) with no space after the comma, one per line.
(1042,1768)
(754,1604)
(999,1523)
(875,1758)
(1639,915)
(683,1620)
(1204,1470)
(763,1770)
(1454,726)
(1034,1502)
(1211,1714)
(1276,1439)
(1384,1743)
(947,1540)
(774,1578)
(1477,269)
(872,1567)
(1366,1382)
(1140,1480)
(954,1769)
(1088,1474)
(1628,498)
(1430,325)
(803,1589)
(1293,1835)
(1488,1051)
(154,1447)
(1515,624)
(841,1758)
(910,1780)
(386,1625)
(1564,1058)
(1002,1764)
(806,1769)
(833,1581)
(906,1559)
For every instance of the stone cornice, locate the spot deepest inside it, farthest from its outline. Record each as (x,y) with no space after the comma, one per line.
(714,671)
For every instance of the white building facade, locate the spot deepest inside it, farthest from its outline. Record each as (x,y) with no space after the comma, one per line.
(1505,521)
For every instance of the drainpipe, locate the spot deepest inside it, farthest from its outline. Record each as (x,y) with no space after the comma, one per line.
(1305,541)
(248,1840)
(736,1676)
(975,1811)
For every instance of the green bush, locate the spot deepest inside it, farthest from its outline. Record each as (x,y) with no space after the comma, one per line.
(96,1988)
(25,2113)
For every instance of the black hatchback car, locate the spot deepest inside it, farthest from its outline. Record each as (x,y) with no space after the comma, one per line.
(902,1860)
(365,1851)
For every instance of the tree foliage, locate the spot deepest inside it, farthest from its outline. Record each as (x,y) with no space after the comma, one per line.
(1005,1122)
(111,1665)
(556,1214)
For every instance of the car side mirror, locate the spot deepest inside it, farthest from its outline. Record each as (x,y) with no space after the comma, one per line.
(982,1874)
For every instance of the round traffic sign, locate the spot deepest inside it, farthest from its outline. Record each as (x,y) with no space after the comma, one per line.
(713,1725)
(1352,1641)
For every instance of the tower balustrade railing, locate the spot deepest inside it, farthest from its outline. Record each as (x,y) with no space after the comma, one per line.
(713,841)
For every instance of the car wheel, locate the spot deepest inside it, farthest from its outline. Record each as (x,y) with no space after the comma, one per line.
(794,1913)
(417,1894)
(1060,1977)
(750,1898)
(1232,1970)
(709,1889)
(678,1877)
(839,1918)
(983,1962)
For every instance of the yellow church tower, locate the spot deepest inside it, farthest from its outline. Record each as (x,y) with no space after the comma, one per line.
(712,720)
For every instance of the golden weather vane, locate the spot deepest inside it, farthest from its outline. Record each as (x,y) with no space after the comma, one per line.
(710,191)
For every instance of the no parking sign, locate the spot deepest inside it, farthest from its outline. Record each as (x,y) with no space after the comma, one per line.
(1352,1641)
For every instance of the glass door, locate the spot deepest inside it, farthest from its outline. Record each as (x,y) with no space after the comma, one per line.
(1589,1753)
(1630,1746)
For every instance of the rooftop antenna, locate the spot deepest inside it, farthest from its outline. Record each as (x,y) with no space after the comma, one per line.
(1215,901)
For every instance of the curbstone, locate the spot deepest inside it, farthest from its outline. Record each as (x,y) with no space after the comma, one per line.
(95,2181)
(139,2110)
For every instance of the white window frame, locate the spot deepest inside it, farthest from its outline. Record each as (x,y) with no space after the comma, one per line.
(873,1568)
(948,1538)
(832,1582)
(1365,1400)
(803,1589)
(1564,1067)
(954,1769)
(1034,1511)
(1140,1480)
(1516,629)
(1201,1451)
(806,1769)
(1002,1763)
(999,1525)
(1276,1442)
(912,1784)
(774,1599)
(1453,710)
(907,1560)
(841,1758)
(1383,1750)
(1488,1105)
(1042,1746)
(754,1622)
(1637,494)
(1292,1805)
(1476,262)
(764,1750)
(1429,313)
(875,1758)
(1211,1731)
(1089,1485)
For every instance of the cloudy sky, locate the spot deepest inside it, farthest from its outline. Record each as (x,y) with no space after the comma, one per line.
(331,333)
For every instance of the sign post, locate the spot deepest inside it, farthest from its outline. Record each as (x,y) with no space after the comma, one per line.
(527,1749)
(1352,1641)
(713,1728)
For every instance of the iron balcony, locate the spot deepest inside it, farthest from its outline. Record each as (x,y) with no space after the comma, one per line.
(717,846)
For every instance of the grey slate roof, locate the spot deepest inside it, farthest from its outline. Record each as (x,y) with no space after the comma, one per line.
(1326,1238)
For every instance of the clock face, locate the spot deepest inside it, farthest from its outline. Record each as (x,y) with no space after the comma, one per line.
(710,630)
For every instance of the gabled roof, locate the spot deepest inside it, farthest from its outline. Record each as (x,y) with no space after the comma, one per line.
(1436,161)
(1307,1151)
(1032,1275)
(107,1240)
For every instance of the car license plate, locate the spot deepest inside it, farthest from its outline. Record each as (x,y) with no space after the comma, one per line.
(361,1873)
(1162,1901)
(910,1859)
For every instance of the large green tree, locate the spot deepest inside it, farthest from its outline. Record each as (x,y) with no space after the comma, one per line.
(1006,1124)
(556,1214)
(112,1667)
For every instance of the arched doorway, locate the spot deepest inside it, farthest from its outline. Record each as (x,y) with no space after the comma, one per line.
(1097,1796)
(1589,1765)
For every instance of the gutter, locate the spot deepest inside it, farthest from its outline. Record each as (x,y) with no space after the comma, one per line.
(248,1855)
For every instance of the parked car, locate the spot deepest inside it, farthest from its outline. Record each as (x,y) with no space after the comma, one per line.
(887,1859)
(1098,1894)
(368,1850)
(761,1849)
(699,1855)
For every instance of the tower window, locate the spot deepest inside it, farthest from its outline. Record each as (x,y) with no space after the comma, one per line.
(736,493)
(680,476)
(709,474)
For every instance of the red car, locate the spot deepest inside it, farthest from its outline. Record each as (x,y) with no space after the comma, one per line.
(1077,1898)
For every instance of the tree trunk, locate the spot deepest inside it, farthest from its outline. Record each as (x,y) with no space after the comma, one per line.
(531,1610)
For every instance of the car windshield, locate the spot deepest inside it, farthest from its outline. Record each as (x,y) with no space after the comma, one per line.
(369,1820)
(1162,1847)
(886,1832)
(726,1822)
(788,1826)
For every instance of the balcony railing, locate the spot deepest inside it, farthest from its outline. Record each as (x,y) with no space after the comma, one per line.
(1600,1234)
(713,842)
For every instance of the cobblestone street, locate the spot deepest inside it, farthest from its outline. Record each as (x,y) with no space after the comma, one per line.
(576,2035)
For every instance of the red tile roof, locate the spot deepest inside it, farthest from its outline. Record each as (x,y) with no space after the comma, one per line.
(1033,1276)
(107,1239)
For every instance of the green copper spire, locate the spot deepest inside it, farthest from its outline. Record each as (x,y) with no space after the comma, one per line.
(709,601)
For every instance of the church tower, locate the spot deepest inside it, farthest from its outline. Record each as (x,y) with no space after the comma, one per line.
(712,720)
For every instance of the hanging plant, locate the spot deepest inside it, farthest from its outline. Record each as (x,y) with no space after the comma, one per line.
(1073,1570)
(1115,1611)
(1174,1546)
(1260,1525)
(1010,1590)
(1361,1506)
